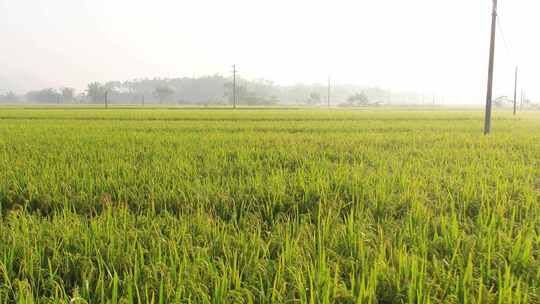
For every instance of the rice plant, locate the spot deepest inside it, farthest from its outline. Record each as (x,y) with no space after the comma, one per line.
(268,206)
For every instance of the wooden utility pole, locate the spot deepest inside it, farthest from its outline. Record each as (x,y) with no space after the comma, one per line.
(234,86)
(515,90)
(489,95)
(106,99)
(328,94)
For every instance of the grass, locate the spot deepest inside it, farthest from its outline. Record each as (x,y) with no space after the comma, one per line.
(268,206)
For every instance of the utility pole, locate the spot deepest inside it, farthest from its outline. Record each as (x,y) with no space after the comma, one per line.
(328,94)
(515,90)
(143,100)
(234,86)
(489,95)
(106,99)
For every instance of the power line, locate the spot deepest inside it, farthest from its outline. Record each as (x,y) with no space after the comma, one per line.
(505,41)
(511,55)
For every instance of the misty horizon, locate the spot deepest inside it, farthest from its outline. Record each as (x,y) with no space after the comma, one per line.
(439,50)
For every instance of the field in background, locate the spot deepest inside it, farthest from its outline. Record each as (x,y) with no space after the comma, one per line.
(268,206)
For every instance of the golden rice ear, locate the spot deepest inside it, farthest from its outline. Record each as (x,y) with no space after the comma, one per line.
(16,211)
(106,200)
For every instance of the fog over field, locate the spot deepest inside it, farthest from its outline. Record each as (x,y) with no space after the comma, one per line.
(423,46)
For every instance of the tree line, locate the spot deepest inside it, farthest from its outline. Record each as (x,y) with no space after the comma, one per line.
(212,90)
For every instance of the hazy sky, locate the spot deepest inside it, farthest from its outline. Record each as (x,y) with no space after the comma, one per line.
(430,46)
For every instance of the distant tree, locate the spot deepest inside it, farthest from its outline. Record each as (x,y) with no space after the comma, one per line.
(242,94)
(254,96)
(263,100)
(96,92)
(250,98)
(43,96)
(81,98)
(228,92)
(358,99)
(501,101)
(68,94)
(527,103)
(273,100)
(163,92)
(313,98)
(9,97)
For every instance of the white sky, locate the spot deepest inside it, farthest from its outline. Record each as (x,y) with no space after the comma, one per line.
(430,46)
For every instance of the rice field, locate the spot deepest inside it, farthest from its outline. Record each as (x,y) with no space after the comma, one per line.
(268,206)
